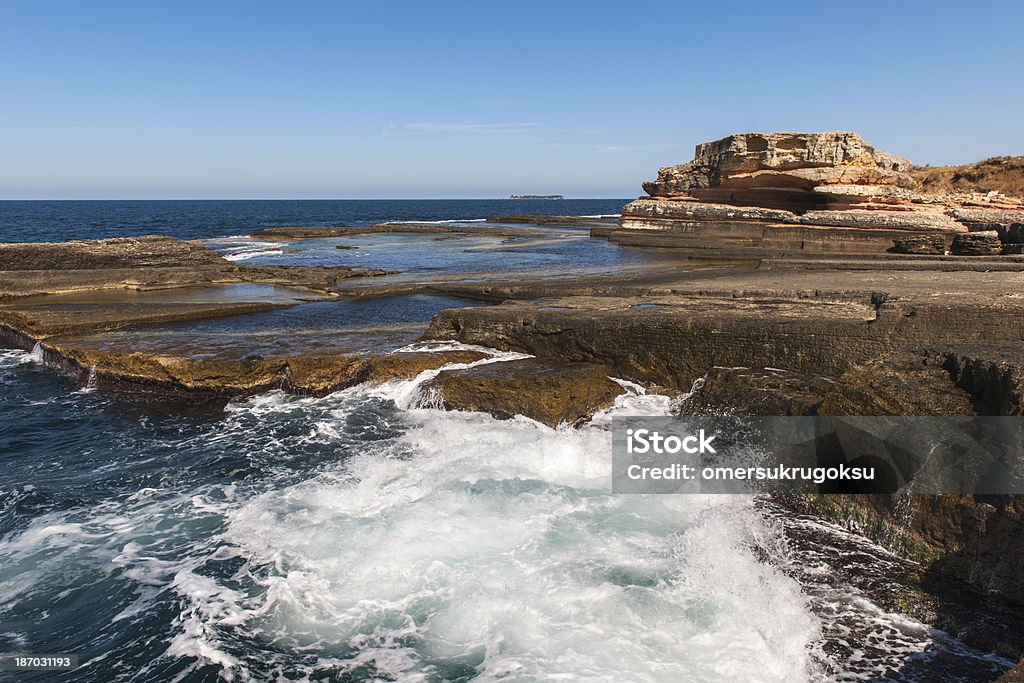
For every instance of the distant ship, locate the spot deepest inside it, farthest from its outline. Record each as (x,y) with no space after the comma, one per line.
(535,196)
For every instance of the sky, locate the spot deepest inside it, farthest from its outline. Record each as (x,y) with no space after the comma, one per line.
(477,99)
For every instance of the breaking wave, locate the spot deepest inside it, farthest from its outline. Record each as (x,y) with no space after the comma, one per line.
(383,541)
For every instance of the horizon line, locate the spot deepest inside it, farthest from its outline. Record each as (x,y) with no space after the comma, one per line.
(287,199)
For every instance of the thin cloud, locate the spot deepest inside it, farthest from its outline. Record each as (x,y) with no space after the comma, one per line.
(484,129)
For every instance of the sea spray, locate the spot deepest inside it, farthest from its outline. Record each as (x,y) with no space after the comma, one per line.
(408,394)
(36,355)
(314,536)
(495,547)
(91,381)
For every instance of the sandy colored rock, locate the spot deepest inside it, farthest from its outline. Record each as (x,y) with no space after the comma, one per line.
(1015,675)
(823,180)
(300,374)
(848,158)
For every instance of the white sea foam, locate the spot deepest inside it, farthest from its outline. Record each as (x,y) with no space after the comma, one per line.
(36,355)
(463,542)
(498,546)
(454,220)
(13,357)
(460,543)
(246,255)
(244,247)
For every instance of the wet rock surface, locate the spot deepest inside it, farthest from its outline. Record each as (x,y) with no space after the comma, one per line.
(205,377)
(143,263)
(551,393)
(763,391)
(981,635)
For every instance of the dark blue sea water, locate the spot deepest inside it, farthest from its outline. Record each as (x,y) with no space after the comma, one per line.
(42,221)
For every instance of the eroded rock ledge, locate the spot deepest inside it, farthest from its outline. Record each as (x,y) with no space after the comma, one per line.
(810,191)
(143,263)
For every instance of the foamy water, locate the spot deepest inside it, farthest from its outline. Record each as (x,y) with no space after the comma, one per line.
(497,548)
(460,544)
(364,535)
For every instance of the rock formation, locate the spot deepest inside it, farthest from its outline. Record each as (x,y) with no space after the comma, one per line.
(552,393)
(807,191)
(143,263)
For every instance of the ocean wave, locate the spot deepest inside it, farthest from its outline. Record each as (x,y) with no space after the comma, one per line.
(451,220)
(256,253)
(423,542)
(522,565)
(14,357)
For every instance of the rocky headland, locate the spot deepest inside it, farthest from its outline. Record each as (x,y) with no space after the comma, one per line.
(810,275)
(815,192)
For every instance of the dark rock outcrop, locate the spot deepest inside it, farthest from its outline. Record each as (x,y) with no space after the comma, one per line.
(919,244)
(764,391)
(907,383)
(551,393)
(119,252)
(977,244)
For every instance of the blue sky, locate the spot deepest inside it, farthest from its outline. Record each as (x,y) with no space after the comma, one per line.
(477,99)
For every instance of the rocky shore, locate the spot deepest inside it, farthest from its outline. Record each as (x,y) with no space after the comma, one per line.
(143,263)
(813,275)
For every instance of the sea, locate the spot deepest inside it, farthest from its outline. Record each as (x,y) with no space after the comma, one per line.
(368,536)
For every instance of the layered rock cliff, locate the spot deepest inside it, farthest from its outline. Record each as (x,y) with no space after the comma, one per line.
(811,191)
